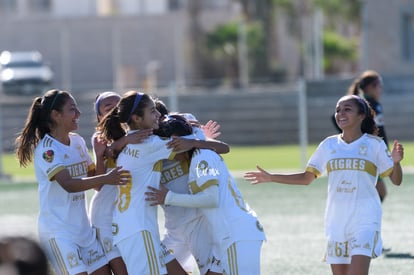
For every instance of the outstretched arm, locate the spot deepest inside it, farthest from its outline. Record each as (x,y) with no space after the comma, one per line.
(255,177)
(397,155)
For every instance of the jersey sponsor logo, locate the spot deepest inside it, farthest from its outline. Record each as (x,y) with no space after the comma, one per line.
(94,256)
(345,187)
(48,155)
(204,170)
(131,152)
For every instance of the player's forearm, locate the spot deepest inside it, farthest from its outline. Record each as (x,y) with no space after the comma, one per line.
(200,200)
(396,174)
(304,178)
(212,144)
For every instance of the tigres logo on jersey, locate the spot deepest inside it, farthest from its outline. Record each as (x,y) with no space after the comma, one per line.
(48,155)
(72,259)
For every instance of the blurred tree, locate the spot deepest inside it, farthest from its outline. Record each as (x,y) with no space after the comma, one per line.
(339,52)
(260,16)
(340,17)
(261,12)
(222,48)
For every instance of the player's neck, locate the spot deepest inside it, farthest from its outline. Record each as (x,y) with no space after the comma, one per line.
(60,136)
(351,137)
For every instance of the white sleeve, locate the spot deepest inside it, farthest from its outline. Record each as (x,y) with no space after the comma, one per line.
(208,198)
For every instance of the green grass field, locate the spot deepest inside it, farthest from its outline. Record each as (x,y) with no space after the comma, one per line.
(240,158)
(291,215)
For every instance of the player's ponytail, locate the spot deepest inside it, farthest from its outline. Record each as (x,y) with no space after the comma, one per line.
(38,123)
(111,127)
(28,138)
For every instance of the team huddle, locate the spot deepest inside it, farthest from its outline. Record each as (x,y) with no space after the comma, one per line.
(145,157)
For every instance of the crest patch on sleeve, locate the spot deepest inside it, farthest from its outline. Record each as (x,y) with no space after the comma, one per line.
(48,155)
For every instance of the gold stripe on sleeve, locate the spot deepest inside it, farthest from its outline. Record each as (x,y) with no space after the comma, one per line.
(313,171)
(196,189)
(55,171)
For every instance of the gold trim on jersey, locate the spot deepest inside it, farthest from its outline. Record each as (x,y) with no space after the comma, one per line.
(313,171)
(157,166)
(387,173)
(196,189)
(110,163)
(55,171)
(172,155)
(232,260)
(352,164)
(91,167)
(58,256)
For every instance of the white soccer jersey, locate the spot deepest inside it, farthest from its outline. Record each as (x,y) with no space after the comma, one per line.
(233,220)
(101,208)
(63,214)
(103,201)
(132,212)
(353,202)
(180,223)
(175,178)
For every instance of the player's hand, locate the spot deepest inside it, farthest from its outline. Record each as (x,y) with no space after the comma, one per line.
(99,146)
(118,176)
(397,153)
(138,136)
(179,144)
(156,196)
(256,177)
(211,129)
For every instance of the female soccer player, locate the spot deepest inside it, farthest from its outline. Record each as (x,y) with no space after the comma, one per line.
(353,161)
(64,171)
(135,222)
(232,236)
(103,201)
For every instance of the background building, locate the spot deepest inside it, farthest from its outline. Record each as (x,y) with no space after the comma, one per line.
(387,38)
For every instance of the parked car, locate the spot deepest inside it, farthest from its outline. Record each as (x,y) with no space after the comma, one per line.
(24,73)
